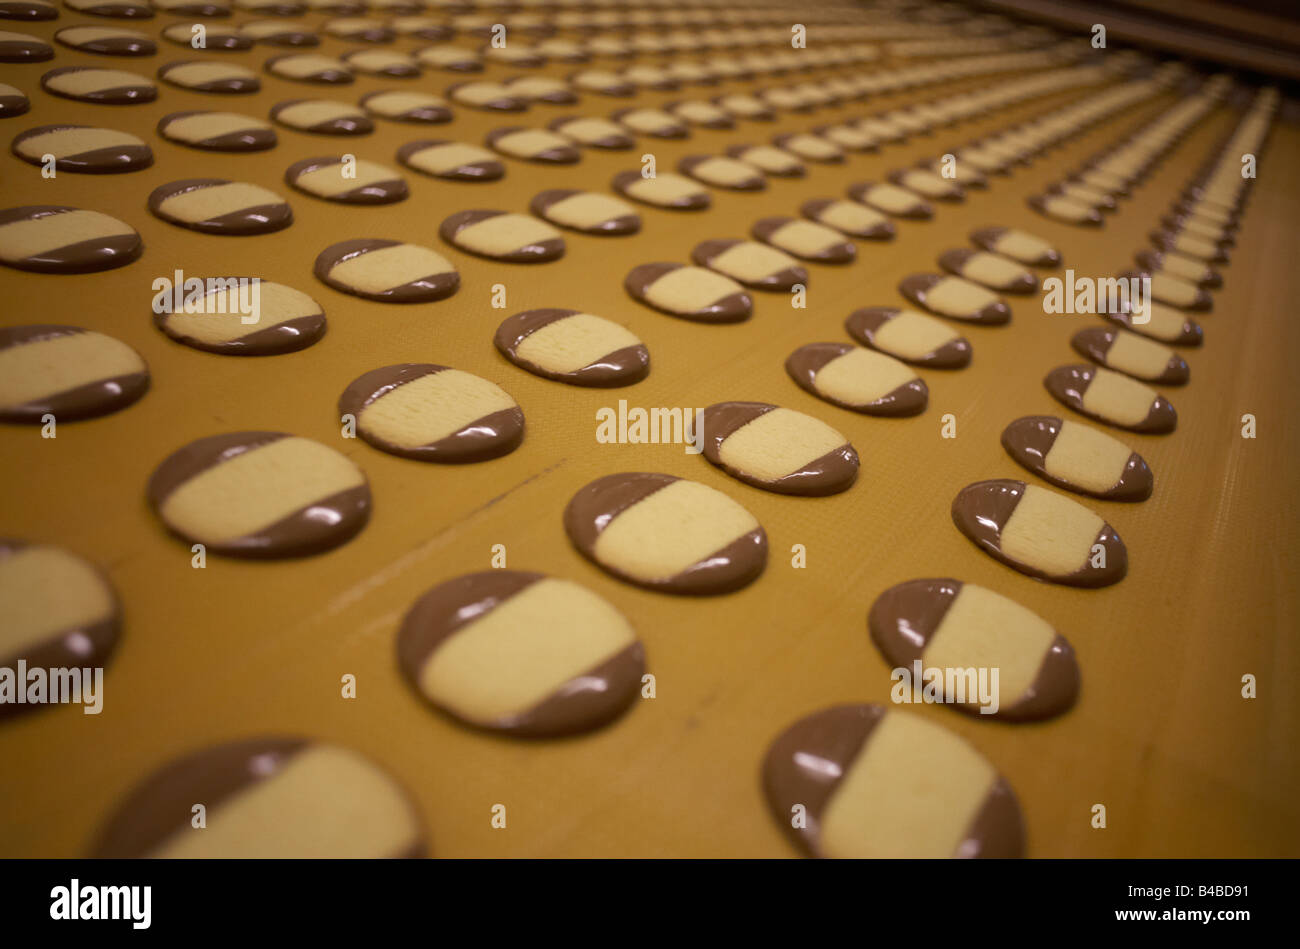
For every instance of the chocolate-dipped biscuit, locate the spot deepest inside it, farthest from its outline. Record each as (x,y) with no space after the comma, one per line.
(810,147)
(666,190)
(1161,322)
(649,76)
(1192,245)
(226,318)
(55,238)
(222,207)
(752,264)
(450,58)
(744,106)
(204,76)
(956,298)
(778,449)
(989,269)
(848,217)
(386,63)
(1078,458)
(1174,291)
(503,236)
(704,114)
(106,40)
(1066,210)
(12,101)
(28,10)
(653,122)
(587,212)
(23,48)
(279,33)
(847,138)
(602,82)
(521,653)
(284,8)
(1018,245)
(805,239)
(533,145)
(665,533)
(1197,226)
(66,371)
(121,9)
(1113,398)
(322,116)
(217,131)
(360,29)
(769,159)
(260,495)
(355,182)
(387,271)
(910,336)
(83,149)
(863,776)
(266,797)
(692,293)
(546,89)
(593,132)
(402,106)
(104,86)
(947,624)
(722,172)
(198,8)
(891,200)
(574,347)
(422,26)
(1040,533)
(1132,355)
(215,37)
(433,413)
(60,612)
(310,67)
(456,161)
(492,96)
(1187,268)
(858,379)
(1085,194)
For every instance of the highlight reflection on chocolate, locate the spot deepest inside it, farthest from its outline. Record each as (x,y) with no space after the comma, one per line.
(344,806)
(722,172)
(217,324)
(567,351)
(83,149)
(397,273)
(104,241)
(248,494)
(628,182)
(908,619)
(313,115)
(196,75)
(811,763)
(1112,398)
(1042,534)
(628,524)
(378,187)
(217,131)
(21,48)
(521,653)
(1131,355)
(37,582)
(245,209)
(107,86)
(866,324)
(763,456)
(68,372)
(433,413)
(1091,462)
(107,42)
(532,145)
(956,298)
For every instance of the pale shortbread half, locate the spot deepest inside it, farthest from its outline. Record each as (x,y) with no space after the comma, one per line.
(89,81)
(688,289)
(778,443)
(45,367)
(750,261)
(432,407)
(37,236)
(574,342)
(305,115)
(957,297)
(201,128)
(216,318)
(441,159)
(1085,457)
(587,209)
(1049,532)
(45,591)
(992,270)
(389,267)
(504,234)
(664,189)
(1117,398)
(328,180)
(890,198)
(204,204)
(805,238)
(861,376)
(63,143)
(913,335)
(1132,354)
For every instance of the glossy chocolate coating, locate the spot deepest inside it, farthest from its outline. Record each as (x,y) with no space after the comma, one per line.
(13,104)
(733,308)
(1029,439)
(91,400)
(161,805)
(322,525)
(136,94)
(231,85)
(691,202)
(988,237)
(558,155)
(721,123)
(122,45)
(623,367)
(504,103)
(921,210)
(914,287)
(582,704)
(595,506)
(27,50)
(286,337)
(327,75)
(618,226)
(687,166)
(489,169)
(1094,342)
(388,191)
(673,130)
(218,38)
(489,437)
(98,161)
(423,290)
(863,325)
(1067,384)
(88,256)
(981,510)
(339,125)
(613,141)
(538,253)
(805,362)
(252,139)
(832,473)
(432,114)
(1039,203)
(905,617)
(954,193)
(806,762)
(841,252)
(240,222)
(779,280)
(814,208)
(954,261)
(123,9)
